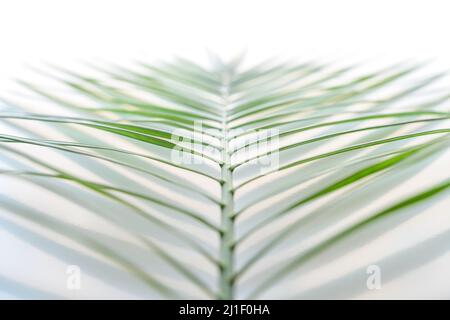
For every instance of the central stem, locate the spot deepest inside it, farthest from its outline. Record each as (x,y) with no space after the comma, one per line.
(227,208)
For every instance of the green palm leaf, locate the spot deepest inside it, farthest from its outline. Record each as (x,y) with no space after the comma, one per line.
(218,222)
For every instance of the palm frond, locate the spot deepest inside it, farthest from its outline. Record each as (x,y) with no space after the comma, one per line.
(231,219)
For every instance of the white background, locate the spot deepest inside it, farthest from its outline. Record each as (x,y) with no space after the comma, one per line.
(47,30)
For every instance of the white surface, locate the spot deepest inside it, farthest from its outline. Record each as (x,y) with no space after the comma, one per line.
(51,30)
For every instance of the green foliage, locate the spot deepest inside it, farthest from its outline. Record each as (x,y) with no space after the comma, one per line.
(342,135)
